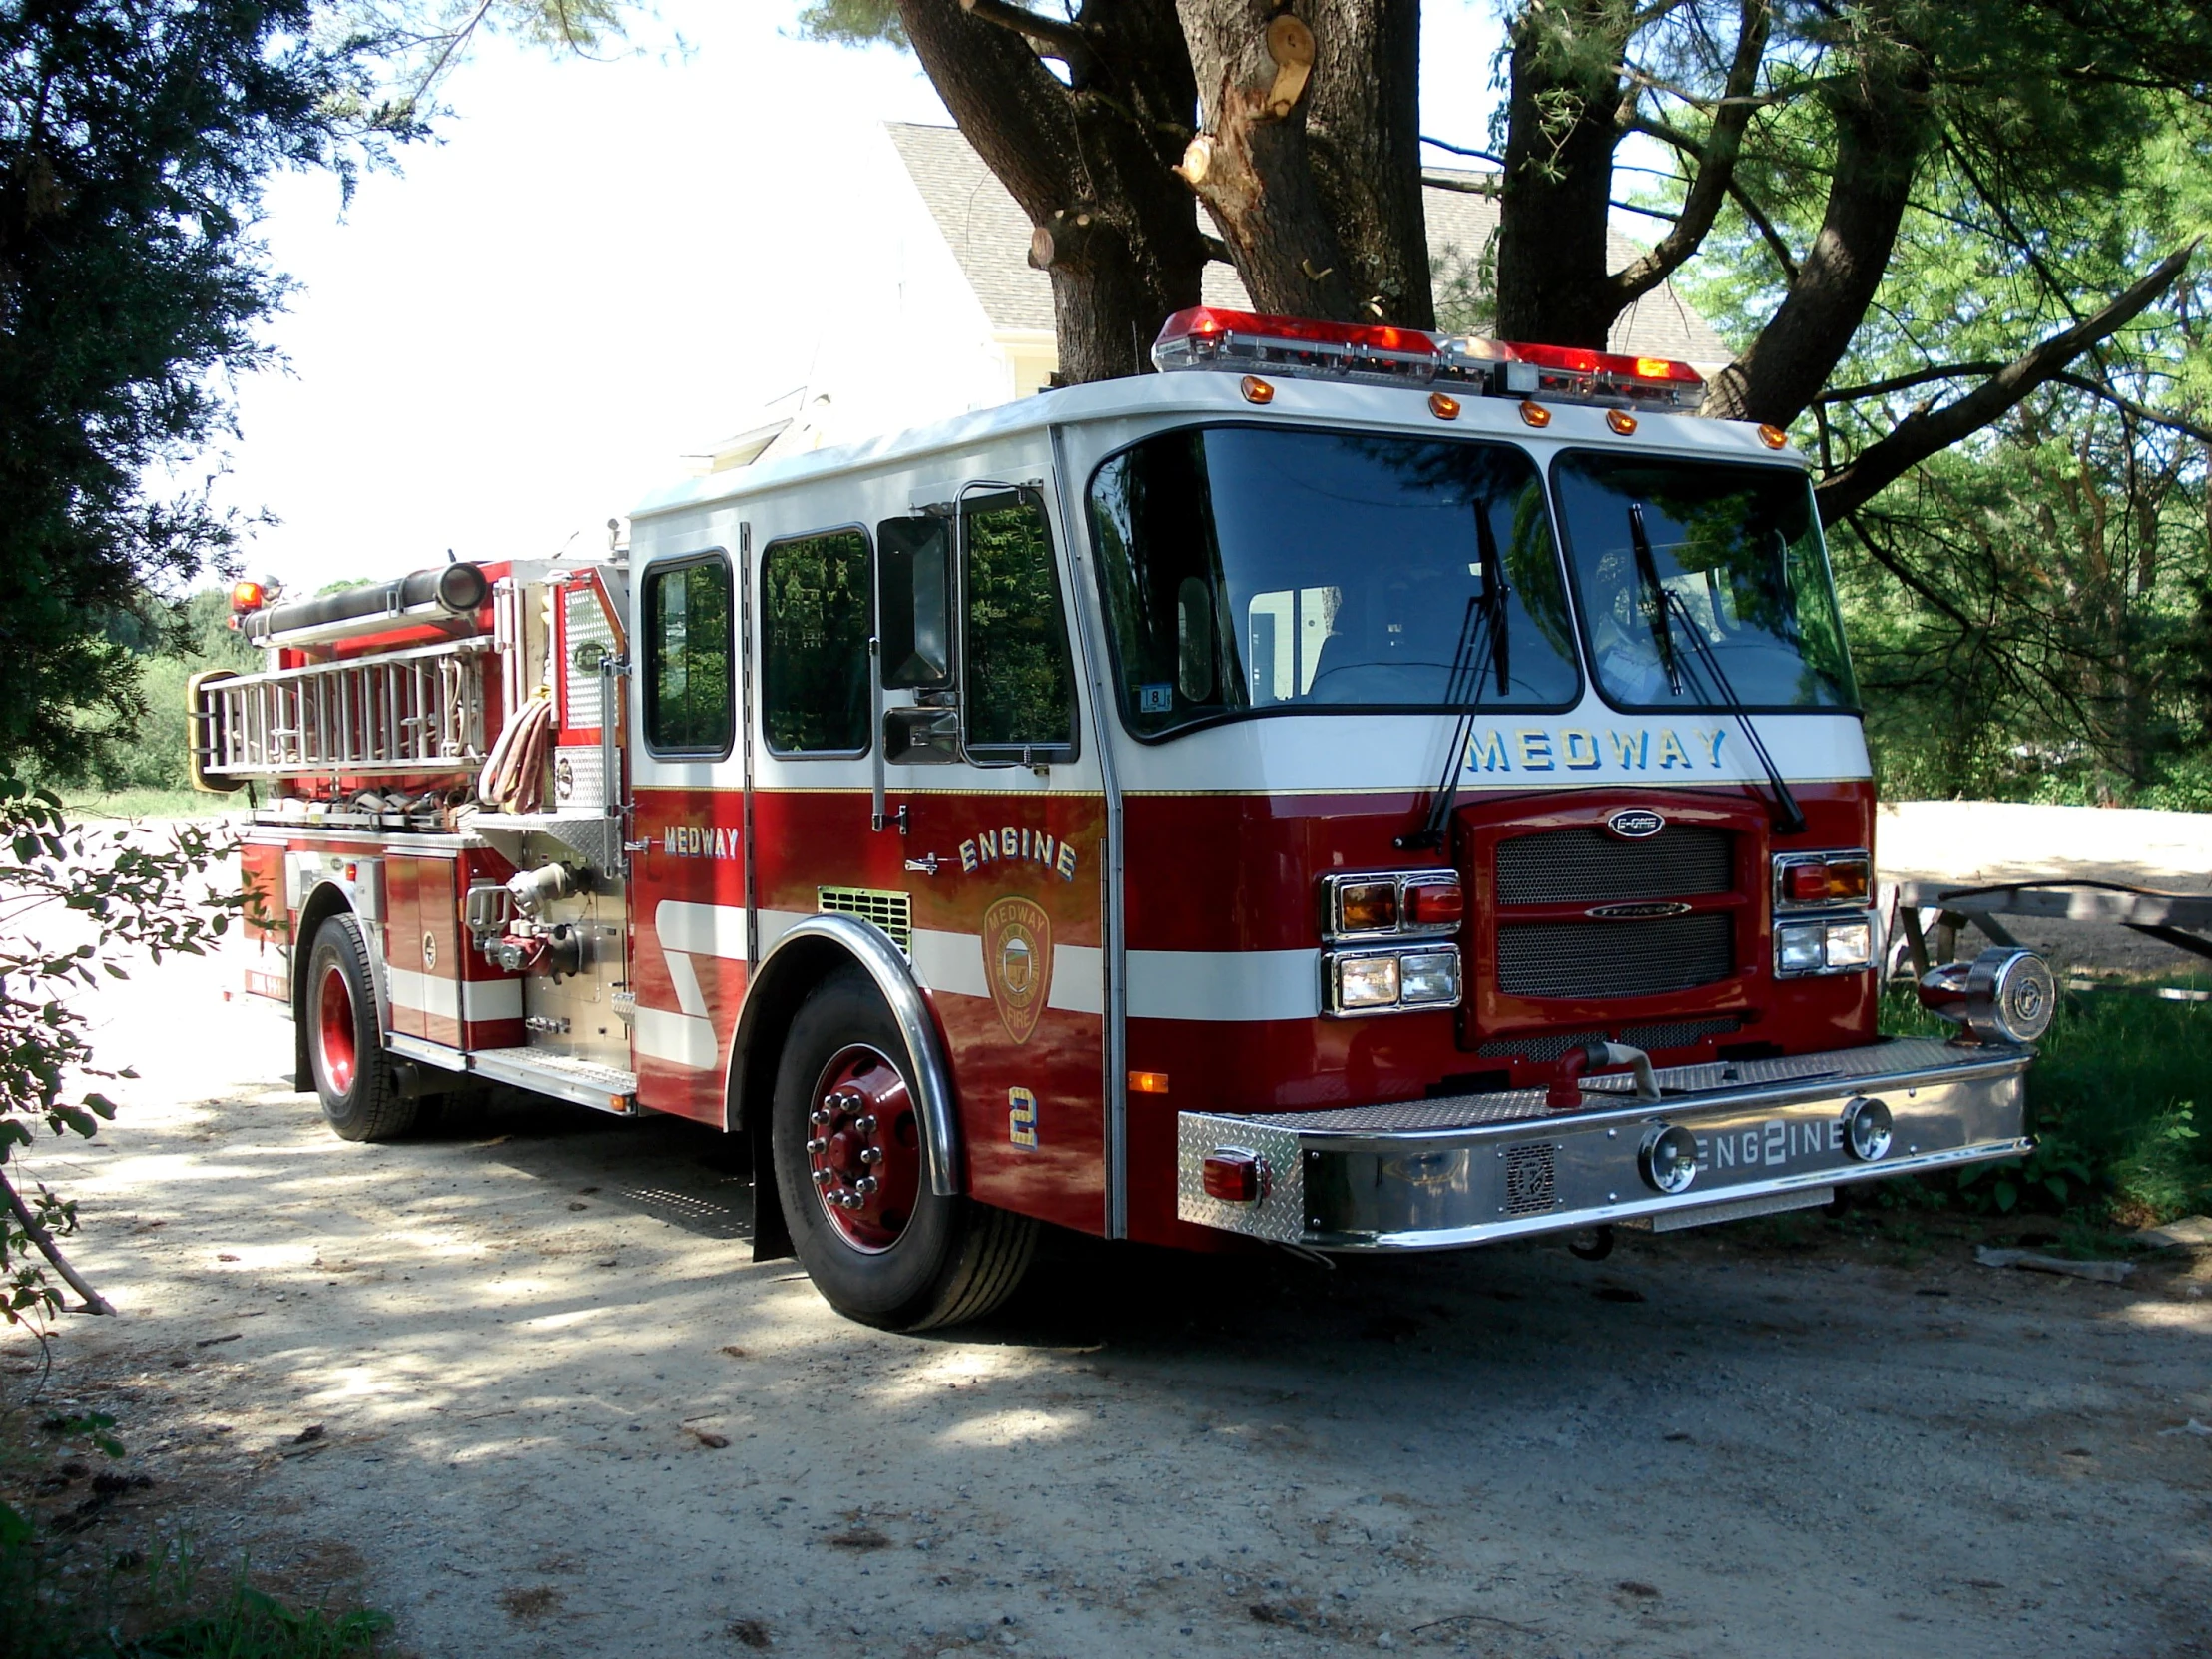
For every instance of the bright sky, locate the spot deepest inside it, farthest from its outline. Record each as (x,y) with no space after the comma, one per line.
(600,267)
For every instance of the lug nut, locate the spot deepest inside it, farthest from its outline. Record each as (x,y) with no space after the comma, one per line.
(823,1178)
(815,1147)
(871,1155)
(867,1184)
(866,1125)
(819,1116)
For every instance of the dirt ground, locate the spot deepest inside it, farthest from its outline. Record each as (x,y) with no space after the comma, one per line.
(560,1411)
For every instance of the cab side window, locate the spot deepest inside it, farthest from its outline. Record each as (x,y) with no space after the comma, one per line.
(815,615)
(691,702)
(1020,684)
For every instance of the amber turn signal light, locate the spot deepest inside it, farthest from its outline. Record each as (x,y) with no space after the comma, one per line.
(1367,907)
(1148,1082)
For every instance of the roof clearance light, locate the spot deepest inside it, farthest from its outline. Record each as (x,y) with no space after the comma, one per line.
(1257,391)
(1774,437)
(1576,374)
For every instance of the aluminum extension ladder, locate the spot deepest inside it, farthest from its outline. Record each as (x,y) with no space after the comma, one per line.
(420,710)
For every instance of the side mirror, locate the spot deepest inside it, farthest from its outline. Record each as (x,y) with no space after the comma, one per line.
(914,602)
(921,737)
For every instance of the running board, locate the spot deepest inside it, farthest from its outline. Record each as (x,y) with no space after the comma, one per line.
(604,1088)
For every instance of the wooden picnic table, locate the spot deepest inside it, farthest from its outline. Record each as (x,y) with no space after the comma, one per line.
(2183,921)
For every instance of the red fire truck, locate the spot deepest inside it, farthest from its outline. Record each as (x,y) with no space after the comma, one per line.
(1355,789)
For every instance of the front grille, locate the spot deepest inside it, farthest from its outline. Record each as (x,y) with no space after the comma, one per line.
(1542,1046)
(1531,1178)
(891,912)
(1588,866)
(1590,959)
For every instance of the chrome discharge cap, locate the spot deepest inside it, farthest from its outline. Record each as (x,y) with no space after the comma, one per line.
(1868,1129)
(1668,1158)
(2003,994)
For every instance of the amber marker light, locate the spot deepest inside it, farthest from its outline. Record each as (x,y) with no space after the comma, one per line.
(1774,437)
(1257,391)
(1443,408)
(1536,414)
(1621,421)
(1148,1082)
(245,596)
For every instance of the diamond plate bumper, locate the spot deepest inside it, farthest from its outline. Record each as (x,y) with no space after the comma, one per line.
(1435,1174)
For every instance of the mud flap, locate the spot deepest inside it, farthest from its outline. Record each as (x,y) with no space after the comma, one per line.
(772,1238)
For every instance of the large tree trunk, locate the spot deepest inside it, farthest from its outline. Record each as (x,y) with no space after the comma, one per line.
(1253,163)
(1563,124)
(1089,161)
(1362,133)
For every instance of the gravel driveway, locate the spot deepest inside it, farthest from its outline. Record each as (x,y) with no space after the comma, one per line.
(561,1413)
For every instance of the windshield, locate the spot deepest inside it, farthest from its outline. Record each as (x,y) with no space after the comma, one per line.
(1255,570)
(1739,547)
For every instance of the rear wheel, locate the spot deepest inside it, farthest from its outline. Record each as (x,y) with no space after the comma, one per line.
(852,1167)
(345,1050)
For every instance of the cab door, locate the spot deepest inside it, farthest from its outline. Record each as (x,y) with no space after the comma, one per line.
(997,802)
(688,825)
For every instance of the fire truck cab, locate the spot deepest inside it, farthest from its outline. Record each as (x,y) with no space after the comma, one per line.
(1352,790)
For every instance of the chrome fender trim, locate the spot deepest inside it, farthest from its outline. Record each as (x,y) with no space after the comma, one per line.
(868,945)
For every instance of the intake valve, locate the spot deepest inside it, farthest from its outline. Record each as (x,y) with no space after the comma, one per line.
(534,889)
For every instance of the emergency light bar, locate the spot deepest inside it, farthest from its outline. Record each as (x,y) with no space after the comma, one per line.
(1242,343)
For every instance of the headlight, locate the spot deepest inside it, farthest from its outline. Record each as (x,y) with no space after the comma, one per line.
(1431,976)
(1390,981)
(1831,944)
(1367,982)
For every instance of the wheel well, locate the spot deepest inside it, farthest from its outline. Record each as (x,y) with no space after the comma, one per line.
(786,981)
(325,901)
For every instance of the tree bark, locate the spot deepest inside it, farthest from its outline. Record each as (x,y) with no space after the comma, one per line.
(1363,135)
(1251,166)
(1562,118)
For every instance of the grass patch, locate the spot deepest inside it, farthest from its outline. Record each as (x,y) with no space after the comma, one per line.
(2120,1102)
(140,1605)
(149,803)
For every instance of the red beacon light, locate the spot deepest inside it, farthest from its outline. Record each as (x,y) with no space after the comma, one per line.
(1244,342)
(1574,374)
(1205,337)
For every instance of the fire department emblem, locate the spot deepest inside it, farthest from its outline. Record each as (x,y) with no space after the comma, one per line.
(1017,959)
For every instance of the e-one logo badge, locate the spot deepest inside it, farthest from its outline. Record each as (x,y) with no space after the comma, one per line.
(1635,823)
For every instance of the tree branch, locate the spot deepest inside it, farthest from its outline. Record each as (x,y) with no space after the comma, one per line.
(1903,382)
(2128,406)
(95,1303)
(1462,150)
(1068,41)
(1924,433)
(1716,164)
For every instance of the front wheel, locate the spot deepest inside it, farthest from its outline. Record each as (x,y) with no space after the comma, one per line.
(851,1169)
(345,1049)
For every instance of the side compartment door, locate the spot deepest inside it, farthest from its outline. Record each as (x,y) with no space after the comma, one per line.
(688,831)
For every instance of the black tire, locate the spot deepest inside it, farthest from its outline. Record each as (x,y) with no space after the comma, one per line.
(345,1049)
(953,1259)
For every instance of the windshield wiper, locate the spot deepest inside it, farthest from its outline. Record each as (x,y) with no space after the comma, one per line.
(1484,619)
(1789,817)
(1655,595)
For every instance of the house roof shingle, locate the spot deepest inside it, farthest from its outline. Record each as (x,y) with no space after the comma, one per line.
(989,238)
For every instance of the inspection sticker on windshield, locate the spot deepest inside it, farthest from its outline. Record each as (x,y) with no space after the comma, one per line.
(1156,700)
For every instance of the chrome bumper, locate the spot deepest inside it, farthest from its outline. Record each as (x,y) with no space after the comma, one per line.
(1434,1174)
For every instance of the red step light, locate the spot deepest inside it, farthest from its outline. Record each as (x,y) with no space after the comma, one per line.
(1234,1175)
